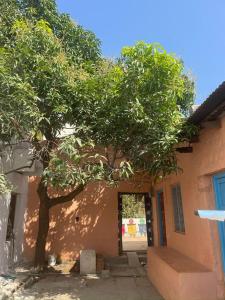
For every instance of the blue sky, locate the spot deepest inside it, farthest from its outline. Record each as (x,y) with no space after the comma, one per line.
(193,29)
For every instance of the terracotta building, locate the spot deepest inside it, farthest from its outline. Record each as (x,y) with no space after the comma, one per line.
(185,253)
(186,261)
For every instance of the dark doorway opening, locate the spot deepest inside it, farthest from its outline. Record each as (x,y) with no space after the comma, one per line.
(11,218)
(135,222)
(10,236)
(161,219)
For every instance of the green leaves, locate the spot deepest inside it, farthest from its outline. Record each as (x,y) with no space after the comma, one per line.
(126,170)
(5,186)
(73,162)
(37,81)
(81,45)
(139,106)
(52,75)
(133,206)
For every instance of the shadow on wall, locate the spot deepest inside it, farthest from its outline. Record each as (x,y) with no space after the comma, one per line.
(88,222)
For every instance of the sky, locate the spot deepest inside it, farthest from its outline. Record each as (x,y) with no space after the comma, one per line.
(192,29)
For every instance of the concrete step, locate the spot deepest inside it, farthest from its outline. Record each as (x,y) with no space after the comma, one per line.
(133,260)
(118,260)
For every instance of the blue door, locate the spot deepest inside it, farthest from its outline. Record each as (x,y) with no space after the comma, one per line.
(219,187)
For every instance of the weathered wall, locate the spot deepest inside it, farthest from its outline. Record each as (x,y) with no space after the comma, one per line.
(97,228)
(4,206)
(21,189)
(200,241)
(20,185)
(12,158)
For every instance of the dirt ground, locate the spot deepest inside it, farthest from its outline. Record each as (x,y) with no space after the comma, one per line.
(66,287)
(124,278)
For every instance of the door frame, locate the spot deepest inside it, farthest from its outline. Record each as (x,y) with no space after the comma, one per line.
(148,213)
(221,225)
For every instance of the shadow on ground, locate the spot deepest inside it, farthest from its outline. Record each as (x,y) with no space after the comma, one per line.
(66,287)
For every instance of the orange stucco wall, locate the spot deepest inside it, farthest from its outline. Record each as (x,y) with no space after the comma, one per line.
(200,241)
(97,210)
(179,277)
(97,228)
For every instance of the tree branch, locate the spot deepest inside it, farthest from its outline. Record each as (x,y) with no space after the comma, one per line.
(114,157)
(66,198)
(21,168)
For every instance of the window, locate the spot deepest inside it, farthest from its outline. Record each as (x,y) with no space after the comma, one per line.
(178,209)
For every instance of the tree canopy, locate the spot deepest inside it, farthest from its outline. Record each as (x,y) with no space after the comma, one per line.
(133,206)
(124,115)
(51,74)
(140,103)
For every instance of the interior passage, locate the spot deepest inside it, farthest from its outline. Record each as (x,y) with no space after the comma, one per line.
(134,233)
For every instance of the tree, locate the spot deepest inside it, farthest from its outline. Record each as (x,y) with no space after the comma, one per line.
(125,115)
(133,206)
(140,105)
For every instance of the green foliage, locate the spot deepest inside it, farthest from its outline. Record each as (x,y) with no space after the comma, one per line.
(81,45)
(76,161)
(44,57)
(37,79)
(133,206)
(140,102)
(5,186)
(126,114)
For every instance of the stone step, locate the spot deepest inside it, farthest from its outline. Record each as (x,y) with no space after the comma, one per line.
(133,260)
(118,260)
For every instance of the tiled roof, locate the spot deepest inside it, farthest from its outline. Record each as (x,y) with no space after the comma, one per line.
(211,108)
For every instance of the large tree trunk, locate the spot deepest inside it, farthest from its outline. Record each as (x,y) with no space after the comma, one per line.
(45,204)
(43,226)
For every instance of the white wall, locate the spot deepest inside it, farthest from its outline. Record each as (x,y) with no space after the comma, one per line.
(21,204)
(20,187)
(4,211)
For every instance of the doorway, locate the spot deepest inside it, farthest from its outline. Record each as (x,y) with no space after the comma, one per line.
(10,236)
(135,222)
(161,218)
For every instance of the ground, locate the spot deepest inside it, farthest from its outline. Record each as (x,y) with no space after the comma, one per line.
(125,278)
(67,287)
(135,243)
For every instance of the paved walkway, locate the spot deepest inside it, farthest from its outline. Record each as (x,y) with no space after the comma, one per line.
(135,243)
